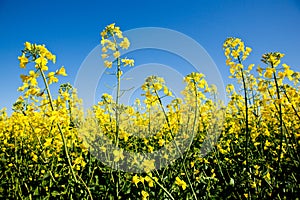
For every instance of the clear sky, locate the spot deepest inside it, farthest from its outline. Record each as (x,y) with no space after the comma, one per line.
(70,29)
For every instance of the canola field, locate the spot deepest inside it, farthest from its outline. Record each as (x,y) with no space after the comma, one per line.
(195,147)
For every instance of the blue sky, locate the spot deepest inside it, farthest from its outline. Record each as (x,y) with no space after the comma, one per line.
(70,29)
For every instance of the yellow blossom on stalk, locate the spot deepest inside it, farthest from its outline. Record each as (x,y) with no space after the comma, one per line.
(180,183)
(104,49)
(124,135)
(287,71)
(148,165)
(269,72)
(259,70)
(116,54)
(23,60)
(118,155)
(142,180)
(126,62)
(250,67)
(52,78)
(145,195)
(108,64)
(28,45)
(272,58)
(167,91)
(150,181)
(235,49)
(41,61)
(229,88)
(104,55)
(161,142)
(34,157)
(267,177)
(61,71)
(135,180)
(125,43)
(48,142)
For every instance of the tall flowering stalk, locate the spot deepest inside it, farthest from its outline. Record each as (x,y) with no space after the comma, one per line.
(112,42)
(40,55)
(236,53)
(273,60)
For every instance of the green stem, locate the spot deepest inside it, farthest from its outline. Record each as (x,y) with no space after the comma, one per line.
(59,128)
(177,148)
(163,188)
(117,113)
(247,116)
(247,125)
(280,121)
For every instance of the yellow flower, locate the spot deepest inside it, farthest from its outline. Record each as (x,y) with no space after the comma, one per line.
(61,71)
(180,183)
(269,72)
(116,54)
(272,58)
(104,49)
(229,88)
(104,55)
(125,43)
(250,67)
(157,86)
(41,61)
(103,149)
(23,61)
(150,181)
(267,144)
(118,155)
(126,62)
(267,177)
(248,50)
(111,26)
(161,142)
(135,180)
(235,53)
(108,64)
(192,164)
(34,157)
(28,46)
(48,142)
(144,195)
(148,165)
(103,33)
(124,135)
(227,52)
(52,78)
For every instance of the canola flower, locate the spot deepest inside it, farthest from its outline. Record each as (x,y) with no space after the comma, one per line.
(180,183)
(49,149)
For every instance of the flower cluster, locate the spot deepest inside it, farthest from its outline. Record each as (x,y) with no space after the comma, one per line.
(112,42)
